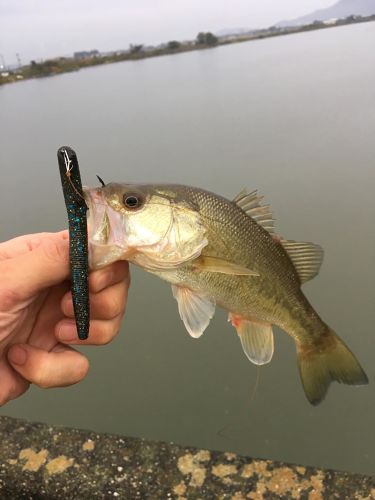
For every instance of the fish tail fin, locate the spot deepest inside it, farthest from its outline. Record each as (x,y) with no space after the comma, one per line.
(326,360)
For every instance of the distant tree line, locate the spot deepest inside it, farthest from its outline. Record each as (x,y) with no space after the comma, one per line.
(173,45)
(135,49)
(203,40)
(207,38)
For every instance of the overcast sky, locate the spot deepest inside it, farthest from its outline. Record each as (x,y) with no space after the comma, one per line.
(46,28)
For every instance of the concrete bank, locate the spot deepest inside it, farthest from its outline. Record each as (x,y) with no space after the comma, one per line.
(38,461)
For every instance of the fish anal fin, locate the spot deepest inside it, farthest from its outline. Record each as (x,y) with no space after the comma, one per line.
(250,203)
(256,339)
(195,310)
(217,265)
(306,257)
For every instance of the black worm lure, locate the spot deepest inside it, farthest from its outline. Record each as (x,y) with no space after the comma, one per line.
(78,245)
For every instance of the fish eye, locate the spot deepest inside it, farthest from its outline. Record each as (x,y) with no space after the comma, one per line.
(132,201)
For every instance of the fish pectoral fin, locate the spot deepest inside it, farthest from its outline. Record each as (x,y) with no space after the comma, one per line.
(217,265)
(256,339)
(195,310)
(306,257)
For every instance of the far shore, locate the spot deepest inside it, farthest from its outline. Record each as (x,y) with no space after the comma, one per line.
(203,41)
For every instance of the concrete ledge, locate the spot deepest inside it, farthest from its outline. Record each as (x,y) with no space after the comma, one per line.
(39,462)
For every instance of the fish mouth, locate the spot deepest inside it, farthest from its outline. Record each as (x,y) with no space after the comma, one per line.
(106,231)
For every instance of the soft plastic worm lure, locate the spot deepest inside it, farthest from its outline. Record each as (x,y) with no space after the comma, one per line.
(78,246)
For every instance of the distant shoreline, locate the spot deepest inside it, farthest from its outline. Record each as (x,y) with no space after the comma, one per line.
(204,41)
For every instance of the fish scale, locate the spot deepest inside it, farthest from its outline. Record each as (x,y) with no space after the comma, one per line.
(249,244)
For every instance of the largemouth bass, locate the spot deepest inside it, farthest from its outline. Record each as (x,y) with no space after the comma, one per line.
(219,252)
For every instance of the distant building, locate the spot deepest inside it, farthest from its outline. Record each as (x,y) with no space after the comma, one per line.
(114,53)
(331,22)
(85,54)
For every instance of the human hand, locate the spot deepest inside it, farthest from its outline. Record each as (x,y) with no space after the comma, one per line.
(37,318)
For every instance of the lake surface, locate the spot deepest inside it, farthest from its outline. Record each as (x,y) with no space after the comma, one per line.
(292,116)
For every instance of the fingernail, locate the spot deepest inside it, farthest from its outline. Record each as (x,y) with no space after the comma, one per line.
(67,332)
(17,355)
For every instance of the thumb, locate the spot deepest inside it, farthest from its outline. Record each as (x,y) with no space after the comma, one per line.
(43,266)
(60,367)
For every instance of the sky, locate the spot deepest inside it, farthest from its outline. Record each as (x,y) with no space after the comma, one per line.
(39,29)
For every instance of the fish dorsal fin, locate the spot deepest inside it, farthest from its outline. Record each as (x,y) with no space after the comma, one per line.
(195,310)
(306,257)
(256,339)
(217,265)
(251,205)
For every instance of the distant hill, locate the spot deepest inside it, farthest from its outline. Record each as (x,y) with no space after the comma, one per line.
(341,9)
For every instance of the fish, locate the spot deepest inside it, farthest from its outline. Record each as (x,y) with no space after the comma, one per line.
(219,252)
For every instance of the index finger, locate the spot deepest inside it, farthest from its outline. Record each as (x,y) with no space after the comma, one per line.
(25,243)
(108,276)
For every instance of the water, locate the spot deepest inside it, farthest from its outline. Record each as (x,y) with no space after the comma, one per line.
(292,116)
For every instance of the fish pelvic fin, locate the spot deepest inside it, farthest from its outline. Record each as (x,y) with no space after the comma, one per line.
(324,361)
(256,338)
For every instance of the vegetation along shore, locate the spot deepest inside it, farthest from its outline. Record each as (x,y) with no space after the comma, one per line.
(207,40)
